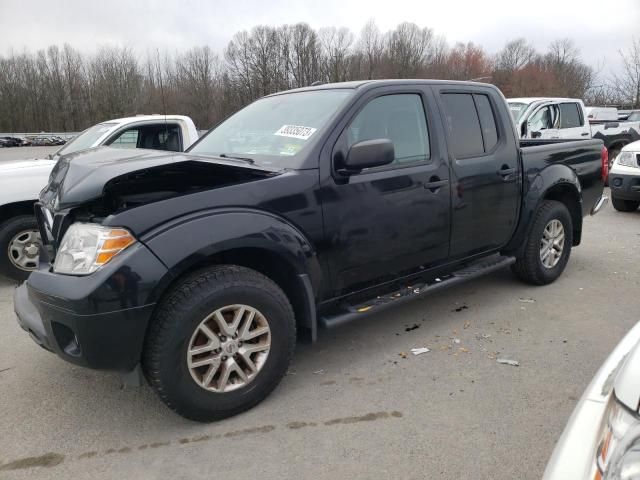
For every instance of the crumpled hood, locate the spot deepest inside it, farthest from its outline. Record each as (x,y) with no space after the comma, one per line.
(18,166)
(81,177)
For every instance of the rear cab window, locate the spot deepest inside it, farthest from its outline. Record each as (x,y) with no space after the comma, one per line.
(471,123)
(570,115)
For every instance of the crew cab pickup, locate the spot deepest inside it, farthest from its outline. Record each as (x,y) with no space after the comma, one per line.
(568,118)
(22,180)
(308,208)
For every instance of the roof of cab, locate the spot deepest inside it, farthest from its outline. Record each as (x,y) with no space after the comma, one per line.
(144,118)
(541,99)
(382,83)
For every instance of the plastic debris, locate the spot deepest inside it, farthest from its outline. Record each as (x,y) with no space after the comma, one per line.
(506,361)
(419,351)
(527,300)
(319,372)
(456,340)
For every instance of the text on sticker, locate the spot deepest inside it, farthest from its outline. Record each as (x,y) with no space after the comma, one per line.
(295,131)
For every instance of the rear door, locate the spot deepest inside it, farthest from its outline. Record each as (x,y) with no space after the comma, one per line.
(573,125)
(485,170)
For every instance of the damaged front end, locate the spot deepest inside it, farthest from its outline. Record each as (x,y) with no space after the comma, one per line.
(91,187)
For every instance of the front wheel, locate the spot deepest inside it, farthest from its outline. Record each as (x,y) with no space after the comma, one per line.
(548,245)
(220,342)
(19,247)
(624,205)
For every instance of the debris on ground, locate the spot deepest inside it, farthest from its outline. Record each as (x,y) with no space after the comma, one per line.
(412,327)
(460,308)
(507,361)
(319,372)
(466,325)
(403,354)
(456,340)
(464,350)
(420,350)
(482,336)
(527,300)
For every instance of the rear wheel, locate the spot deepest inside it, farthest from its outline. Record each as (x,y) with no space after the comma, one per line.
(220,342)
(19,247)
(548,245)
(624,205)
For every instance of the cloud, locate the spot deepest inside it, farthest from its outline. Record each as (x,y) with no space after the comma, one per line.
(147,25)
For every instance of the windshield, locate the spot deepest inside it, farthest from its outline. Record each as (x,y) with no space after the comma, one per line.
(86,139)
(634,117)
(273,130)
(517,109)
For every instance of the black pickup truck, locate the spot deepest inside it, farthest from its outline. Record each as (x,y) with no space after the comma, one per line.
(308,208)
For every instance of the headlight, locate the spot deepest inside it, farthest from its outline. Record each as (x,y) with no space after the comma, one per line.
(627,159)
(87,246)
(619,450)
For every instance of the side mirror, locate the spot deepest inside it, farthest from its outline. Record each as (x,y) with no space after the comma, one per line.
(368,154)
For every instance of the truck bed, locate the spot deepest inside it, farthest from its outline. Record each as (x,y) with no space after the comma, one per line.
(584,157)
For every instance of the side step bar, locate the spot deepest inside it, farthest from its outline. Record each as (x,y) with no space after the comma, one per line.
(467,272)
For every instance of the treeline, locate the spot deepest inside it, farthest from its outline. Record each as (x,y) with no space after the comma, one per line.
(60,89)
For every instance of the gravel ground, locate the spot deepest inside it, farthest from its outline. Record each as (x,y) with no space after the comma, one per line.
(352,406)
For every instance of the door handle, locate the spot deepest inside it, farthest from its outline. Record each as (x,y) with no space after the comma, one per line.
(505,172)
(435,183)
(584,134)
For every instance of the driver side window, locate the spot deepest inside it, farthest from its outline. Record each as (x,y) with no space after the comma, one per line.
(399,118)
(544,119)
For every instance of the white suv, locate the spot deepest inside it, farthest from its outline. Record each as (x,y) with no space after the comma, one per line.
(624,179)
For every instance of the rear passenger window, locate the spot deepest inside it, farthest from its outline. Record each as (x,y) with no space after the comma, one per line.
(401,119)
(570,115)
(464,125)
(487,122)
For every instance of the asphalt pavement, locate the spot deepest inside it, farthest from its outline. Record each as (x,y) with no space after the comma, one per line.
(356,404)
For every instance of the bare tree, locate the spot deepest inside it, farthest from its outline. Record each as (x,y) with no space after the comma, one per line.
(627,83)
(409,50)
(336,49)
(371,47)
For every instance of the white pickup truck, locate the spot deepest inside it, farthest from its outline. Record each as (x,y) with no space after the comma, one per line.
(567,118)
(22,180)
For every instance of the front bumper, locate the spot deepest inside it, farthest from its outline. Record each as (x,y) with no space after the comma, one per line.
(99,320)
(625,186)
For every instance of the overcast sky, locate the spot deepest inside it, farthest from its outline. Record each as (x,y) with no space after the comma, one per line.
(599,28)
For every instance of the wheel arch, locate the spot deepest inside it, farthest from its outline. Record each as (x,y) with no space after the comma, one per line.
(263,242)
(10,210)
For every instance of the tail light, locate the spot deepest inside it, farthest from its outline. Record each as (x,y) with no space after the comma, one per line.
(604,156)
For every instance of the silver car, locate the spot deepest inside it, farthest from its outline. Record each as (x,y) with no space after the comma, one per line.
(602,438)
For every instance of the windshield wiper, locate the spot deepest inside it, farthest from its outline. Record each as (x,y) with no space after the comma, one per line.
(244,159)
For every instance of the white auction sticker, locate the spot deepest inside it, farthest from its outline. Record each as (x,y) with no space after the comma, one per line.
(295,131)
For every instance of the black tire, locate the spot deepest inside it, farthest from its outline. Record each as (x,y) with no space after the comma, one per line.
(179,314)
(8,230)
(529,267)
(624,205)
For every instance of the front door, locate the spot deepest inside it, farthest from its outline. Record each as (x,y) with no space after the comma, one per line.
(387,220)
(544,123)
